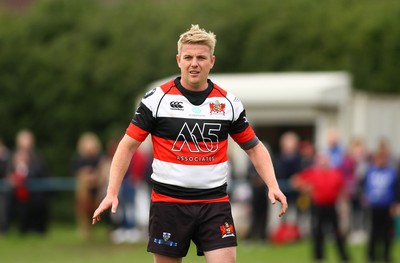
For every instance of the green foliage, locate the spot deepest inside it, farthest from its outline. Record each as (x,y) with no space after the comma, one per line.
(68,66)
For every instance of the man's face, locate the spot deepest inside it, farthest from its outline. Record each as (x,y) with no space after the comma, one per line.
(195,62)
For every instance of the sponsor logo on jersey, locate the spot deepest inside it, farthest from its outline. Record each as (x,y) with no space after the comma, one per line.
(217,107)
(165,240)
(197,138)
(195,158)
(196,110)
(227,230)
(176,105)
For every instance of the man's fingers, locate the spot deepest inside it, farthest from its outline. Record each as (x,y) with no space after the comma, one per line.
(96,216)
(104,205)
(114,206)
(284,206)
(283,210)
(282,199)
(95,219)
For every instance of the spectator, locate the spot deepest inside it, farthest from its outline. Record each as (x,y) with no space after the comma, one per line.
(382,196)
(125,219)
(307,153)
(353,168)
(335,149)
(287,164)
(259,205)
(86,168)
(28,206)
(4,160)
(325,185)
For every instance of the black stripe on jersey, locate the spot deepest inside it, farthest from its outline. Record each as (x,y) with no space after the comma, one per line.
(143,118)
(240,124)
(171,128)
(189,193)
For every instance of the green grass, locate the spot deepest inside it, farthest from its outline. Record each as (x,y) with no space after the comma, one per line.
(62,245)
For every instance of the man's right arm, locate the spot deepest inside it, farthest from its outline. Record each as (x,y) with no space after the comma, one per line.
(119,165)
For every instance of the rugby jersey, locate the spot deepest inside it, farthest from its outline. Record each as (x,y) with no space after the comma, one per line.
(189,132)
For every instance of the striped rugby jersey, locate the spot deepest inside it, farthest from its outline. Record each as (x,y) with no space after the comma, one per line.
(189,132)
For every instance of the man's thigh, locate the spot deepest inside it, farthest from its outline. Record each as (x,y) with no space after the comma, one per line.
(170,230)
(165,259)
(226,255)
(215,228)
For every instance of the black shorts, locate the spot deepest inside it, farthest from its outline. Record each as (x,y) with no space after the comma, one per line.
(173,226)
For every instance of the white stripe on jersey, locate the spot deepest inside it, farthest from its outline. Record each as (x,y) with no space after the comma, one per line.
(186,109)
(190,176)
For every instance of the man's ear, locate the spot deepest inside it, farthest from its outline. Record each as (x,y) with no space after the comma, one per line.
(212,61)
(178,60)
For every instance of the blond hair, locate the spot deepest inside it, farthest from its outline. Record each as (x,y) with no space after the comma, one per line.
(197,35)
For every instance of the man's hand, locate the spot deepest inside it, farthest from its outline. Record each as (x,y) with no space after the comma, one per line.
(108,201)
(276,195)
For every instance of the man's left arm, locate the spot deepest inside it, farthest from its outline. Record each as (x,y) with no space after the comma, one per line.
(261,160)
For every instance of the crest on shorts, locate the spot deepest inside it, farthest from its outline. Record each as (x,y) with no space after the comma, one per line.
(166,236)
(227,230)
(165,240)
(217,107)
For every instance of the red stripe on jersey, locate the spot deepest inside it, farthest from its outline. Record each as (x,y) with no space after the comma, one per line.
(156,197)
(163,150)
(136,133)
(167,88)
(217,92)
(244,136)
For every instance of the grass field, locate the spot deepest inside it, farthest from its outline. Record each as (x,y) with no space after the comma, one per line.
(62,245)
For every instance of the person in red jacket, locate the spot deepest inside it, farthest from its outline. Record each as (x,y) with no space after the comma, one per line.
(324,184)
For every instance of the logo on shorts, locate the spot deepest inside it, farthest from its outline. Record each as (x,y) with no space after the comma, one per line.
(165,240)
(227,230)
(166,236)
(217,107)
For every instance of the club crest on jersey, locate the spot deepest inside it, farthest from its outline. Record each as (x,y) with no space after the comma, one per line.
(217,107)
(227,230)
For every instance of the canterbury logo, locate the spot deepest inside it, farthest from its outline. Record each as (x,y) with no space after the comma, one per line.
(176,105)
(197,138)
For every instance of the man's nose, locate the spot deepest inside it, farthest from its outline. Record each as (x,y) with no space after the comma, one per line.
(194,63)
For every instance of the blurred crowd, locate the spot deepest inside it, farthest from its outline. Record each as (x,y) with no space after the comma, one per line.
(348,189)
(346,193)
(25,200)
(91,167)
(28,209)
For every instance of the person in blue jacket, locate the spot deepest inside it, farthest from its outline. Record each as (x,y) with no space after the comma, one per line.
(381,190)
